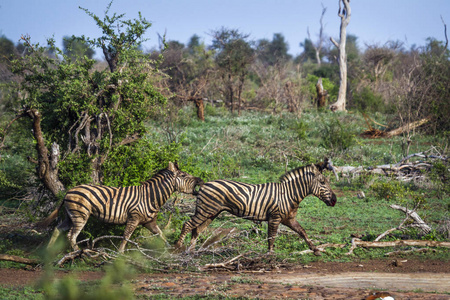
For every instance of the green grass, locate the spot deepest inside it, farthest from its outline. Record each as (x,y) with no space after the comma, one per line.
(19,293)
(258,148)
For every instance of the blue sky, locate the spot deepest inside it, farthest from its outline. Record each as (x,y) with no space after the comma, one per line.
(373,22)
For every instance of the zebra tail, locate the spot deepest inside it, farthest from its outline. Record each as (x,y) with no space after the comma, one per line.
(47,221)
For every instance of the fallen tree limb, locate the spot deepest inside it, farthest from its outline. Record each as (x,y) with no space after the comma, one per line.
(418,222)
(321,248)
(18,259)
(408,127)
(359,243)
(223,264)
(404,170)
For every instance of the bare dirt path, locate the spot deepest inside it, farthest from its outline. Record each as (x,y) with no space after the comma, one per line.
(412,279)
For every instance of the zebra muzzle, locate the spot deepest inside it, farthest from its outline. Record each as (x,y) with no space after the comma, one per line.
(332,201)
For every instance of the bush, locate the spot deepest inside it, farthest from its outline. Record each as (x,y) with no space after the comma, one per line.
(336,136)
(368,101)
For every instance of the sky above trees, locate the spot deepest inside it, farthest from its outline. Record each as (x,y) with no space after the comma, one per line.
(373,22)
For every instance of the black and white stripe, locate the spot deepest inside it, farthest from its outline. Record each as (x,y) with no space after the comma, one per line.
(272,202)
(132,205)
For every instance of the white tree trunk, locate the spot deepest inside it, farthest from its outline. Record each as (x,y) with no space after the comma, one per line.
(345,15)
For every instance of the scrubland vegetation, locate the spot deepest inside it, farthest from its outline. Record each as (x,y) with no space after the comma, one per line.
(67,119)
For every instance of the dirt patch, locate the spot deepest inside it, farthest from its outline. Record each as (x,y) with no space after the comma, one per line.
(410,279)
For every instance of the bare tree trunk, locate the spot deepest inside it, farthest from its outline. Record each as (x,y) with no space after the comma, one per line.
(47,162)
(199,104)
(321,94)
(318,47)
(344,14)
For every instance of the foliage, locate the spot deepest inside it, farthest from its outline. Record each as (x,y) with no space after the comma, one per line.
(131,166)
(114,285)
(95,115)
(367,101)
(331,88)
(337,136)
(233,57)
(74,47)
(273,52)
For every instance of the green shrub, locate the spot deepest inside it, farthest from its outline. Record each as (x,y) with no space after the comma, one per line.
(368,101)
(327,85)
(336,136)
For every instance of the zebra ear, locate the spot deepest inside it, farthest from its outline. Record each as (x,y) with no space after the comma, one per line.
(171,167)
(323,165)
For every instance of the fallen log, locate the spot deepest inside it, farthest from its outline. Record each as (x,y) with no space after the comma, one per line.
(408,127)
(421,243)
(18,259)
(404,170)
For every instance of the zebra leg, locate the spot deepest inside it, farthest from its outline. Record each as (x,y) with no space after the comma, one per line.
(66,224)
(129,229)
(294,225)
(187,227)
(154,228)
(196,221)
(272,231)
(196,232)
(78,223)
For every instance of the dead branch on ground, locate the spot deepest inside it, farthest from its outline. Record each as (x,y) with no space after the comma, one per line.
(421,243)
(404,170)
(18,259)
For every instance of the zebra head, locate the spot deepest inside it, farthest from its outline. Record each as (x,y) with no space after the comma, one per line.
(184,182)
(320,186)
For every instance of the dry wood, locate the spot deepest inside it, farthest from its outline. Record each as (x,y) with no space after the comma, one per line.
(408,127)
(199,105)
(418,222)
(223,264)
(18,259)
(321,248)
(321,94)
(421,243)
(403,170)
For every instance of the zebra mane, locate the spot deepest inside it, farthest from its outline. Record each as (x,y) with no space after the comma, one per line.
(298,170)
(163,172)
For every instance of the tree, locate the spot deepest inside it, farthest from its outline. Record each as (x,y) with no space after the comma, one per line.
(234,56)
(80,116)
(344,13)
(309,53)
(319,44)
(273,52)
(74,47)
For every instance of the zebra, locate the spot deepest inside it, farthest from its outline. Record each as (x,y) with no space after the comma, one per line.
(132,205)
(272,202)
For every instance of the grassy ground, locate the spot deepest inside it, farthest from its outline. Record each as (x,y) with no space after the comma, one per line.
(258,148)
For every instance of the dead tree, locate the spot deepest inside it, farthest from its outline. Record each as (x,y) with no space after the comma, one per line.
(318,46)
(200,107)
(344,13)
(322,94)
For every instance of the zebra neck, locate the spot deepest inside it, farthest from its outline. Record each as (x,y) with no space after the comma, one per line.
(160,188)
(296,190)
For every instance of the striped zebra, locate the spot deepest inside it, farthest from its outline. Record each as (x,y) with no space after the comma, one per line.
(132,205)
(272,202)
